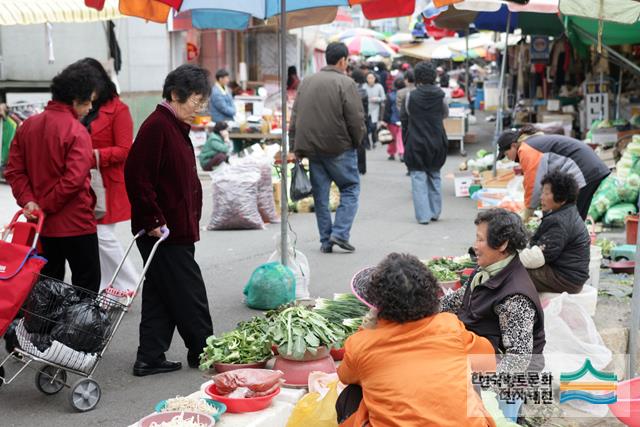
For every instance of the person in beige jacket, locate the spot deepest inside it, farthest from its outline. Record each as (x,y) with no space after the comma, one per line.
(327,126)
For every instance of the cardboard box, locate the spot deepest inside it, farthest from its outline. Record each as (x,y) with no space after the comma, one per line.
(454,127)
(461,183)
(500,181)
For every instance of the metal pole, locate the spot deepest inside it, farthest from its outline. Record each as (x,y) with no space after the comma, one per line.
(505,59)
(284,145)
(635,316)
(619,94)
(466,66)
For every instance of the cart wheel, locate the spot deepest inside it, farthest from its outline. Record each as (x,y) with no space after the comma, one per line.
(85,395)
(50,380)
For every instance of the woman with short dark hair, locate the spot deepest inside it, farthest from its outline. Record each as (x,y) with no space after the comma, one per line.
(48,170)
(408,355)
(111,127)
(426,145)
(558,259)
(164,190)
(499,301)
(221,106)
(215,151)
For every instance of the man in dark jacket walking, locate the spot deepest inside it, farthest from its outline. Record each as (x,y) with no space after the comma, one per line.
(426,148)
(327,126)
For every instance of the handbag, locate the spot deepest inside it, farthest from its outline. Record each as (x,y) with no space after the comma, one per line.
(300,183)
(384,136)
(97,185)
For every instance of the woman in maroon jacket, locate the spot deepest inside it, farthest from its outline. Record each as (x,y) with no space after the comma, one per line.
(164,189)
(48,170)
(111,127)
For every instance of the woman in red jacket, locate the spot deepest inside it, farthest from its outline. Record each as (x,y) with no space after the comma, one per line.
(48,170)
(111,127)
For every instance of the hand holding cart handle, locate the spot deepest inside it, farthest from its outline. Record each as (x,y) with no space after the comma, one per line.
(131,294)
(38,227)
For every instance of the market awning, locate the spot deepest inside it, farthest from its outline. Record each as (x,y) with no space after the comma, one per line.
(613,34)
(26,12)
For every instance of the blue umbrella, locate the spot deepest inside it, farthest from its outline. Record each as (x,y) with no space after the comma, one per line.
(225,14)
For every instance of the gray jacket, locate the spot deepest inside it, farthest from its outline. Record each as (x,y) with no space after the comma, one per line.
(327,117)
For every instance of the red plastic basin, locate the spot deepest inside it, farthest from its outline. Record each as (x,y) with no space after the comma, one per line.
(627,408)
(236,406)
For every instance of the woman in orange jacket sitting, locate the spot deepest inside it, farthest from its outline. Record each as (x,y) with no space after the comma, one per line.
(409,365)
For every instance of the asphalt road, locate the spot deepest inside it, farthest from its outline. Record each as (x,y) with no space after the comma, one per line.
(385,223)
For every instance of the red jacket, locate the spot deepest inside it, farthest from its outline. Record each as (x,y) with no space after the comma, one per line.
(162,179)
(49,164)
(112,136)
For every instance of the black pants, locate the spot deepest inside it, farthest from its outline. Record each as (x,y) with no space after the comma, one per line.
(173,296)
(83,256)
(348,402)
(585,195)
(362,157)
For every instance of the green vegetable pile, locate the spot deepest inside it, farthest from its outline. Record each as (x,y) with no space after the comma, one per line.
(442,273)
(344,310)
(298,329)
(452,263)
(607,246)
(247,343)
(532,224)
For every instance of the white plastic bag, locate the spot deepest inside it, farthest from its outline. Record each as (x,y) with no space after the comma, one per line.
(572,337)
(299,264)
(258,162)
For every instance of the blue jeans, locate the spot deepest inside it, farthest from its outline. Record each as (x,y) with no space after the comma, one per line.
(343,170)
(427,195)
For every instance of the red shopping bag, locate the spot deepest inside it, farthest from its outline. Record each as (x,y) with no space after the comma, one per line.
(19,269)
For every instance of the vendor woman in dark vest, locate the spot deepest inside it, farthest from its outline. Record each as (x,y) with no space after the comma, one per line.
(499,302)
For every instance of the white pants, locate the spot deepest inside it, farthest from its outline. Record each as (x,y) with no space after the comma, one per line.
(111,254)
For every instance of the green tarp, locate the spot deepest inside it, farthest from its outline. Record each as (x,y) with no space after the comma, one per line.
(540,24)
(613,34)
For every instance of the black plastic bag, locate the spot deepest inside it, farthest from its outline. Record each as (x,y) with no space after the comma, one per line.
(84,327)
(10,336)
(41,341)
(46,305)
(300,183)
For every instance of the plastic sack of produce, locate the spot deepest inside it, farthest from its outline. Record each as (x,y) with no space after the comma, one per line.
(628,192)
(315,410)
(270,286)
(250,382)
(235,200)
(266,202)
(615,215)
(84,327)
(298,263)
(605,197)
(47,304)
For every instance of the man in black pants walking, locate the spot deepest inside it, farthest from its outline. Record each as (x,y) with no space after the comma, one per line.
(164,189)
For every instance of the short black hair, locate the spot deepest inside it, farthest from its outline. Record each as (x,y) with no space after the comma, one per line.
(503,226)
(398,83)
(410,76)
(358,76)
(185,81)
(220,126)
(106,89)
(403,289)
(221,73)
(77,82)
(335,52)
(563,186)
(425,73)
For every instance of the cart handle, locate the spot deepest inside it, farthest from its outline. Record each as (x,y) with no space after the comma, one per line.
(131,294)
(39,225)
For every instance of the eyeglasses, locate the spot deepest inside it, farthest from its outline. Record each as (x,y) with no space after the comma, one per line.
(200,105)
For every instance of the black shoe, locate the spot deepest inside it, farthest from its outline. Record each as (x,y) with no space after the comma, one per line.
(326,249)
(141,369)
(391,157)
(194,362)
(342,243)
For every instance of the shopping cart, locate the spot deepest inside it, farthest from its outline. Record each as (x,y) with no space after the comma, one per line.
(68,329)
